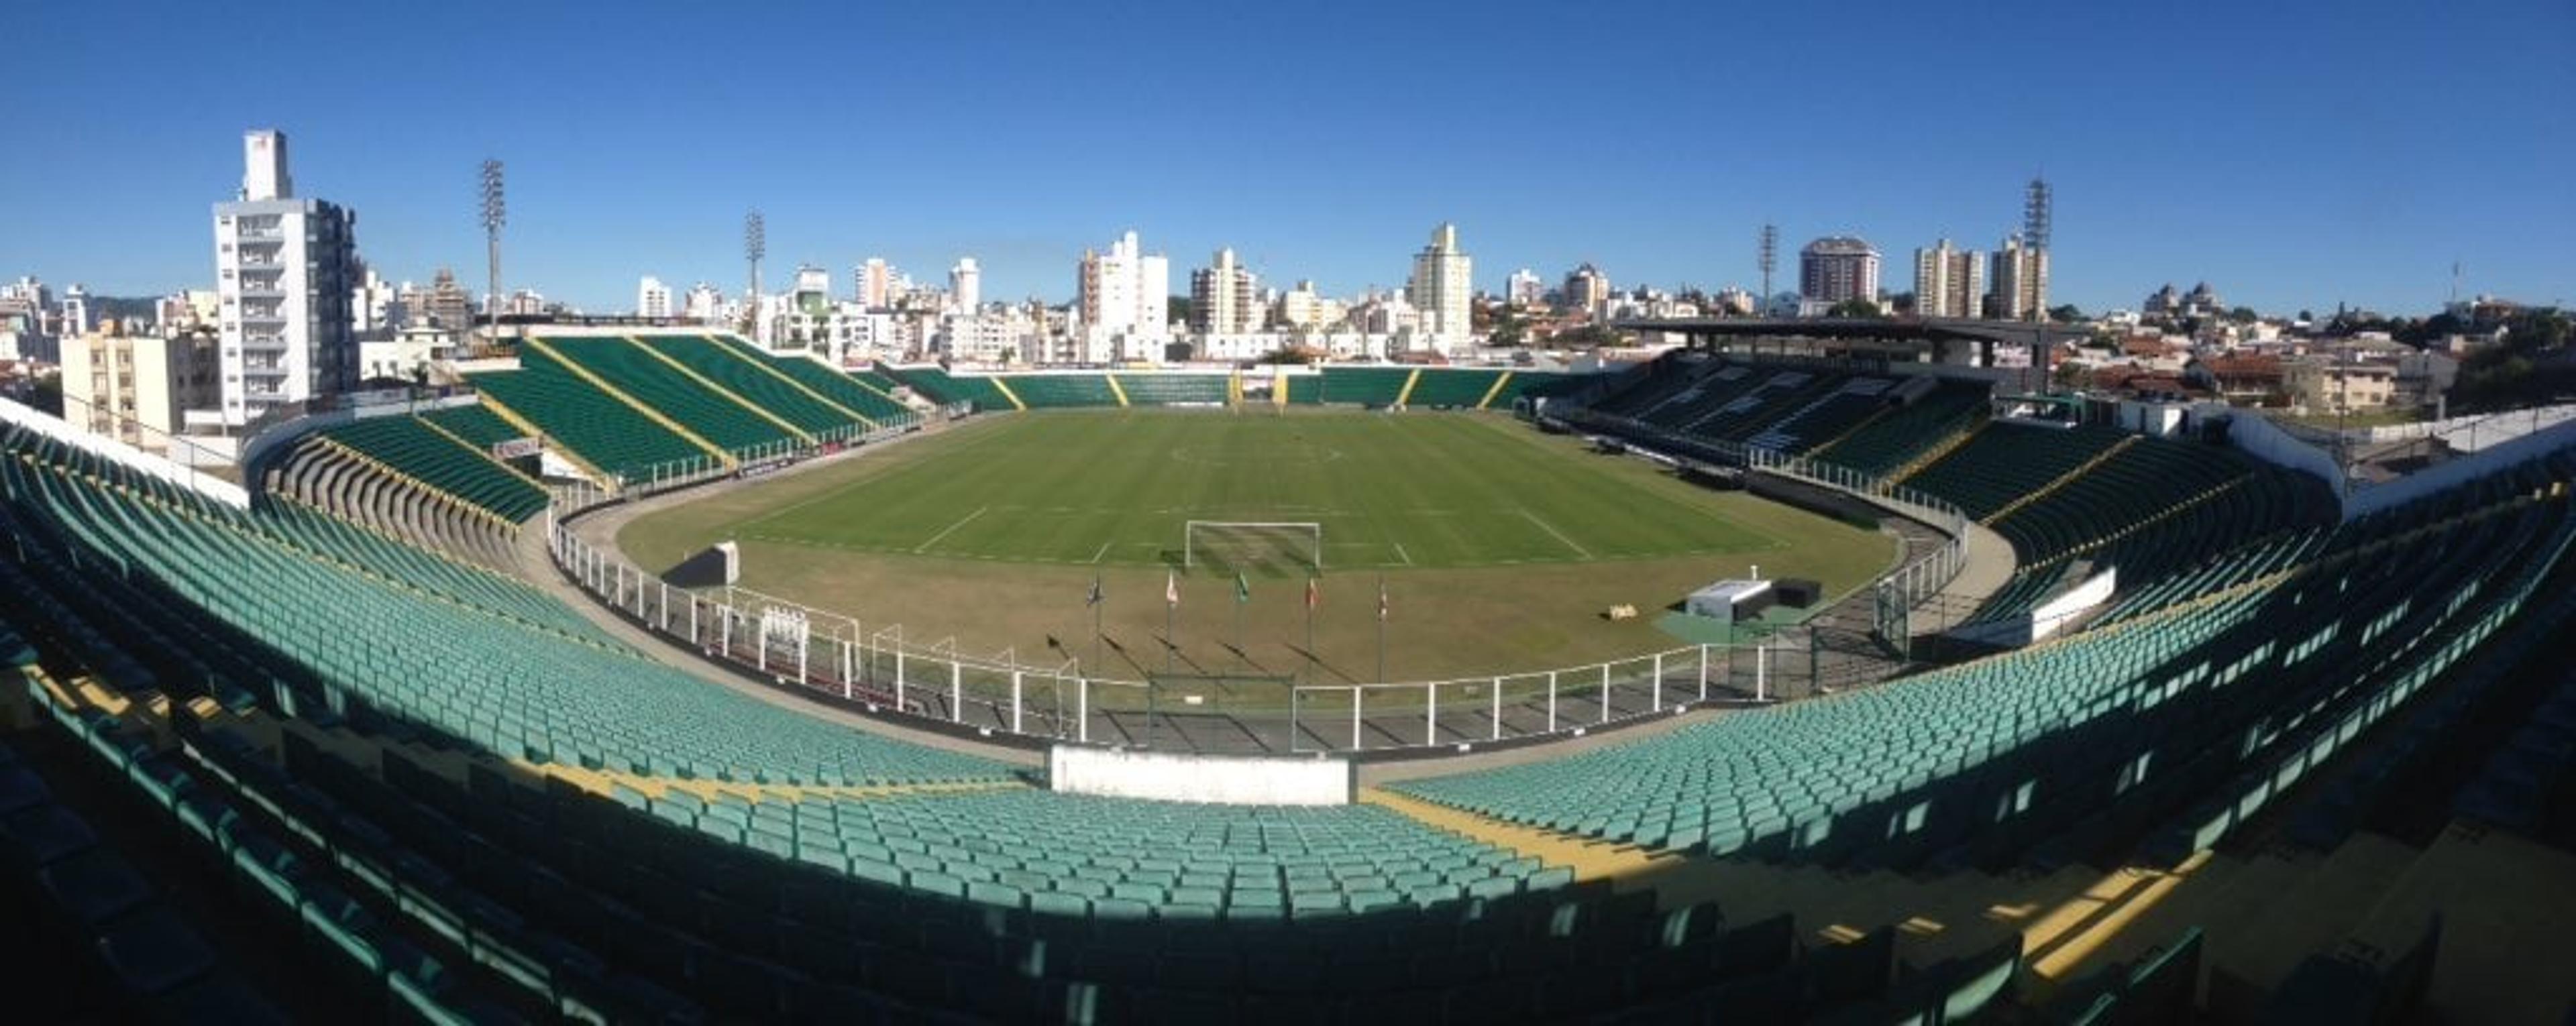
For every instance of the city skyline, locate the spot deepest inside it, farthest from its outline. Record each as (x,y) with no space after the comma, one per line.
(2272,172)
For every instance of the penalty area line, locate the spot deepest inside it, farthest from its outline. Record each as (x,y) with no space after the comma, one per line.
(934,539)
(1556,534)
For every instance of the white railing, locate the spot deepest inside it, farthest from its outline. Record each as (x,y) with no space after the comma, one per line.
(878,665)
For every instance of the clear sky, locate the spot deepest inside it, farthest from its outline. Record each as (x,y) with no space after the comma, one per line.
(2292,154)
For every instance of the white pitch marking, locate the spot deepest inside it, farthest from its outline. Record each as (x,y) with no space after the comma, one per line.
(1558,535)
(1401,554)
(934,539)
(1104,550)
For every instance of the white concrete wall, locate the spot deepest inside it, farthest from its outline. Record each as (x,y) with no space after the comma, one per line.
(2479,464)
(169,470)
(1182,777)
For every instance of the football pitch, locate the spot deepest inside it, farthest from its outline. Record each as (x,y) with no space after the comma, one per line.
(1387,491)
(1498,548)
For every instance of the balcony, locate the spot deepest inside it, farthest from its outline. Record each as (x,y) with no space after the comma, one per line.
(264,343)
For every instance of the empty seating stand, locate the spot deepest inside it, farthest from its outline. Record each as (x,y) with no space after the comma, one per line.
(726,421)
(865,392)
(1048,390)
(1364,386)
(943,387)
(591,425)
(1157,389)
(413,447)
(754,380)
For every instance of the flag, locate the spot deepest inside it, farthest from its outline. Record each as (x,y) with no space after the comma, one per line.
(1093,599)
(1314,594)
(1242,589)
(1171,588)
(1381,601)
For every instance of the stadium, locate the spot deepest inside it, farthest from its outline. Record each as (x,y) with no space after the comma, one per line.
(657,676)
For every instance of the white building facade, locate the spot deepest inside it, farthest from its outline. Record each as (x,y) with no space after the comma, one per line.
(1443,282)
(286,270)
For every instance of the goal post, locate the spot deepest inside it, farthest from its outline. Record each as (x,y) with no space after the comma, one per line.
(1244,544)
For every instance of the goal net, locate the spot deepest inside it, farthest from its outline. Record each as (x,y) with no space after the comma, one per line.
(1246,546)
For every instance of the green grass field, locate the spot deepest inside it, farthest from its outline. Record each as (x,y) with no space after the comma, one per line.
(1388,492)
(1499,547)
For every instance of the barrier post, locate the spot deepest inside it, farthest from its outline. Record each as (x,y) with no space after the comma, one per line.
(1015,700)
(1658,700)
(1082,709)
(1430,715)
(1355,717)
(956,690)
(1605,692)
(1551,701)
(1703,673)
(1498,708)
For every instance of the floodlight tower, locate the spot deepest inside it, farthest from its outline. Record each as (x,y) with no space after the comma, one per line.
(2035,215)
(495,214)
(755,245)
(1770,258)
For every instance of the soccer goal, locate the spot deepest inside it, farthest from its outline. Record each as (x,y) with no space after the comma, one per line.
(1244,545)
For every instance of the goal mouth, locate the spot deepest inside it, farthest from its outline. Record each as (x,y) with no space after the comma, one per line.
(1253,547)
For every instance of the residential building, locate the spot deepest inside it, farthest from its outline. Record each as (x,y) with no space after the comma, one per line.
(652,298)
(2324,384)
(1838,268)
(875,282)
(1949,282)
(705,305)
(965,286)
(286,270)
(136,387)
(1524,289)
(1123,300)
(75,317)
(1225,298)
(375,308)
(1304,309)
(1587,289)
(446,303)
(1443,281)
(2020,282)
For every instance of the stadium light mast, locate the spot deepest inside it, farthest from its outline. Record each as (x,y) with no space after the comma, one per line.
(495,214)
(1769,257)
(755,245)
(2036,212)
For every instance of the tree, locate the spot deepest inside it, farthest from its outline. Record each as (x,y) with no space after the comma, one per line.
(1904,302)
(1859,309)
(1177,309)
(47,395)
(2065,313)
(1591,336)
(2244,315)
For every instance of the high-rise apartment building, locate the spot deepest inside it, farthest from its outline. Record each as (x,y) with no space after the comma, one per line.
(965,286)
(2020,282)
(1225,298)
(1949,282)
(1524,288)
(1442,283)
(286,270)
(1838,268)
(875,283)
(1587,289)
(1125,292)
(652,298)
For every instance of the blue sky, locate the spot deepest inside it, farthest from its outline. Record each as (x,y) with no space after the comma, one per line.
(2292,154)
